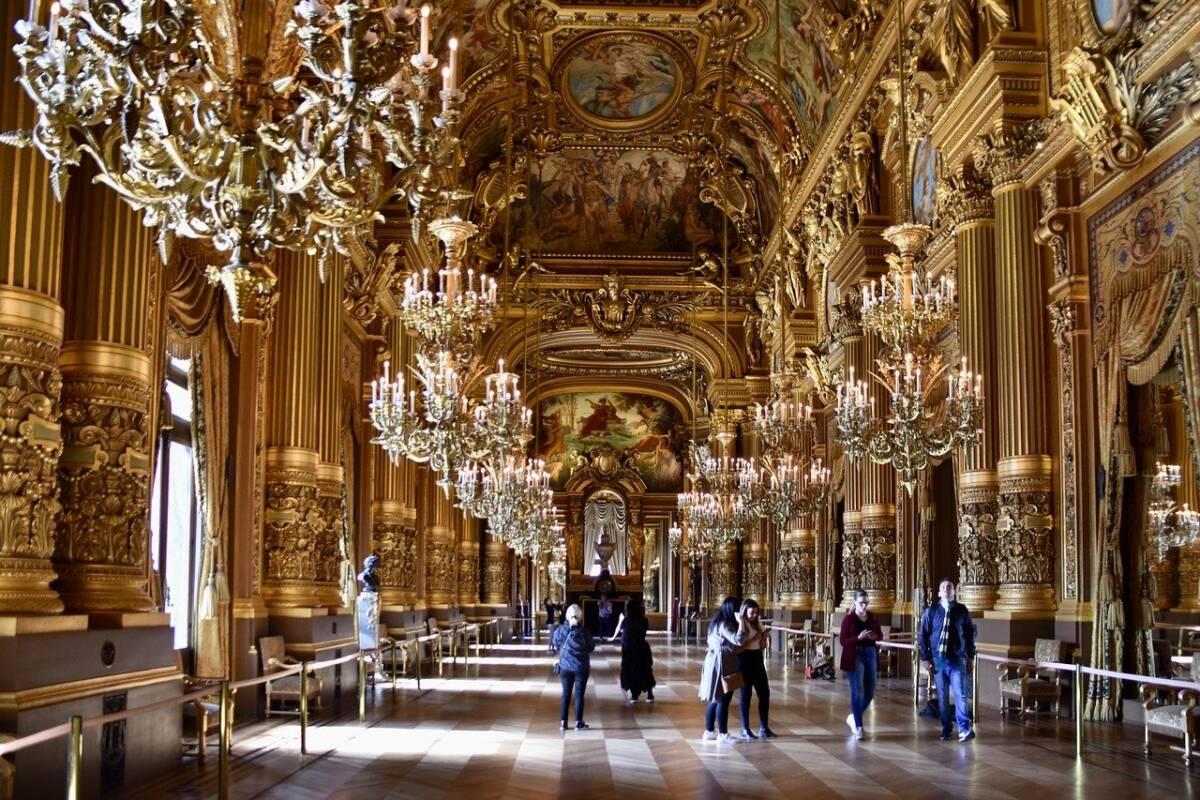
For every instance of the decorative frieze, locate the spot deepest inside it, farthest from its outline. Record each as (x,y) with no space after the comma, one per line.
(978,509)
(441,567)
(497,573)
(1024,531)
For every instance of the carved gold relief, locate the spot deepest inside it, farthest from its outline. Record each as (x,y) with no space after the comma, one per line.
(104,477)
(977,545)
(497,575)
(1000,153)
(468,573)
(30,385)
(754,572)
(1024,531)
(723,581)
(298,569)
(965,197)
(441,569)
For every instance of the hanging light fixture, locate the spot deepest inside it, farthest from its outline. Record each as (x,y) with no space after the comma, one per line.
(1170,525)
(909,311)
(252,162)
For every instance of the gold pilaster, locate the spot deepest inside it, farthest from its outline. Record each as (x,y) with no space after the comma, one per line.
(1024,526)
(31,331)
(295,574)
(723,577)
(967,204)
(852,572)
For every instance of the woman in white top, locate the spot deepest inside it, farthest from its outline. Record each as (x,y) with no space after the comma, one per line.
(754,672)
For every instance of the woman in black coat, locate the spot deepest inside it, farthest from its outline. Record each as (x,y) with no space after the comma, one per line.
(637,662)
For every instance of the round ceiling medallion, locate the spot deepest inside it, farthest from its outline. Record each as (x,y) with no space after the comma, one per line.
(623,80)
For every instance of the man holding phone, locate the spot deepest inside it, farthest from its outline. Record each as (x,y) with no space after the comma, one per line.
(946,642)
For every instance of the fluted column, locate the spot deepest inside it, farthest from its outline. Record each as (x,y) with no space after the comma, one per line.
(877,548)
(294,574)
(31,332)
(1024,525)
(852,576)
(331,477)
(497,572)
(103,539)
(968,206)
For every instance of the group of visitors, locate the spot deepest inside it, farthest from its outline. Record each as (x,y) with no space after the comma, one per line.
(737,641)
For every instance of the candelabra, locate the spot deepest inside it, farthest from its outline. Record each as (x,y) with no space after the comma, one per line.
(780,423)
(501,424)
(250,160)
(1170,525)
(906,307)
(783,488)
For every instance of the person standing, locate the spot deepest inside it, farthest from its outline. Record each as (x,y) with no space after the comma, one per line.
(754,672)
(605,609)
(637,662)
(947,645)
(574,644)
(720,676)
(860,658)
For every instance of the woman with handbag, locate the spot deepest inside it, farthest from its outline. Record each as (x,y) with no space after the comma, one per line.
(574,644)
(720,677)
(754,672)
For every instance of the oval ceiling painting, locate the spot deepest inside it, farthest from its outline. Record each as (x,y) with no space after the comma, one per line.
(620,80)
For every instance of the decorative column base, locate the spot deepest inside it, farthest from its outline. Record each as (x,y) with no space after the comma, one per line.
(104,476)
(1189,578)
(331,498)
(31,330)
(723,582)
(394,540)
(293,525)
(468,573)
(978,507)
(754,567)
(440,567)
(1024,531)
(796,569)
(877,556)
(852,534)
(497,573)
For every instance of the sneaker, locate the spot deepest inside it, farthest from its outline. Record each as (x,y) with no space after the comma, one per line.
(709,736)
(966,736)
(850,724)
(724,738)
(767,733)
(579,726)
(562,726)
(747,736)
(650,697)
(945,737)
(633,701)
(859,734)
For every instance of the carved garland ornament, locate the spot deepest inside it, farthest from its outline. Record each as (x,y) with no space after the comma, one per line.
(1063,324)
(439,567)
(1024,528)
(977,546)
(613,312)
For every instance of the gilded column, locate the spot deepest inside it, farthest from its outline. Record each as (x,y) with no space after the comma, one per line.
(393,509)
(329,412)
(723,573)
(441,562)
(468,561)
(103,538)
(755,558)
(796,567)
(497,572)
(31,332)
(877,544)
(293,524)
(968,206)
(850,333)
(1024,524)
(852,574)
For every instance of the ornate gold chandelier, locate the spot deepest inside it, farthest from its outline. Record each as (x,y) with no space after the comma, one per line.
(250,161)
(909,316)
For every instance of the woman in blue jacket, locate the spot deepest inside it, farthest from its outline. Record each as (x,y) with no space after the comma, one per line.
(574,644)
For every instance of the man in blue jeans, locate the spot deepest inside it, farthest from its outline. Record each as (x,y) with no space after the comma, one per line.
(946,642)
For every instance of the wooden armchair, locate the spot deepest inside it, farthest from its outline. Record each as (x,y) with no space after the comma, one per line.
(202,716)
(287,689)
(1179,717)
(1030,685)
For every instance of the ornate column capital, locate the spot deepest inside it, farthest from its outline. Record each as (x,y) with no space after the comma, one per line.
(1000,153)
(966,197)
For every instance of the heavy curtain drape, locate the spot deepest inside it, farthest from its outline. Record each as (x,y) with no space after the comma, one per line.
(605,516)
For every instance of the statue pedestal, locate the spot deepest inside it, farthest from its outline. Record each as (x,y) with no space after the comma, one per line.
(368,621)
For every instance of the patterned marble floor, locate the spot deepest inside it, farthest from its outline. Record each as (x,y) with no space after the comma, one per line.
(491,731)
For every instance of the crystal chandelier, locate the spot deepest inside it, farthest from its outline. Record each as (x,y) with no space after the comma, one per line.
(253,162)
(689,543)
(457,308)
(780,423)
(1170,525)
(783,488)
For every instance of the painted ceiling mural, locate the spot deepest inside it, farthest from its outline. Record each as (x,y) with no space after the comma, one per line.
(644,432)
(590,200)
(614,77)
(801,62)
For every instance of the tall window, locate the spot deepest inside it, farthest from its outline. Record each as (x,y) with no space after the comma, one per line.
(174,513)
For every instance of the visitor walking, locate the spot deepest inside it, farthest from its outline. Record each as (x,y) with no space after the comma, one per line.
(637,662)
(860,658)
(754,671)
(947,645)
(720,676)
(574,644)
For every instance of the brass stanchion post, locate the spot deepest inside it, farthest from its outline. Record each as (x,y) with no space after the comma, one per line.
(1079,711)
(916,678)
(224,743)
(974,691)
(395,675)
(303,708)
(75,760)
(419,649)
(362,687)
